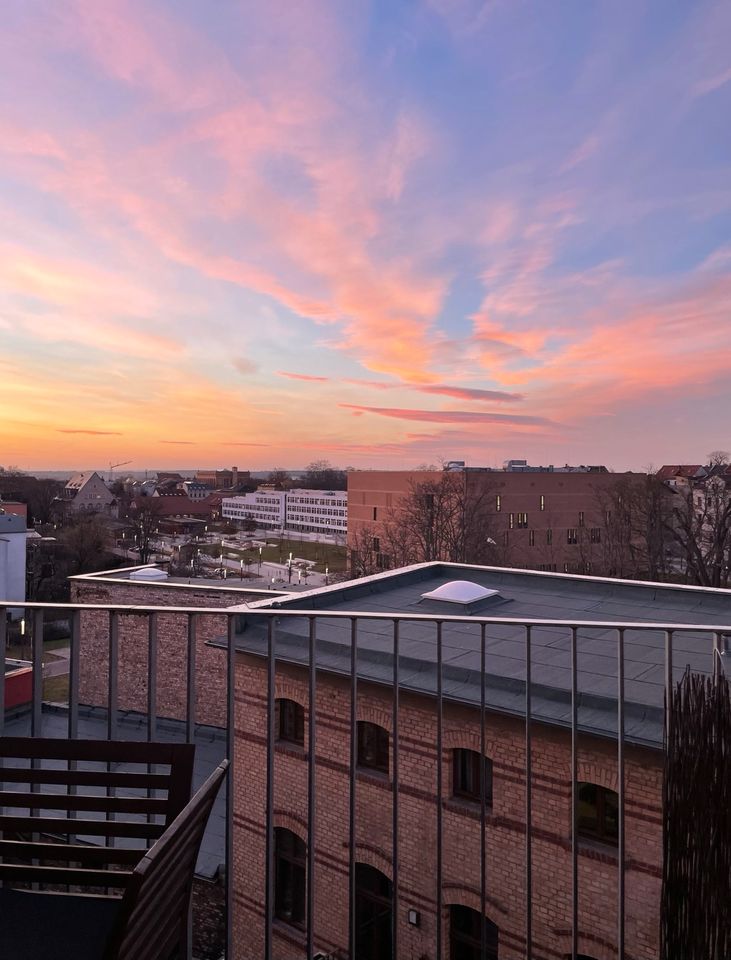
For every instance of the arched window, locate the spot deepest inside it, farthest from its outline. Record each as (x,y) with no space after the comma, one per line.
(466,776)
(465,935)
(372,747)
(289,721)
(290,854)
(598,813)
(373,913)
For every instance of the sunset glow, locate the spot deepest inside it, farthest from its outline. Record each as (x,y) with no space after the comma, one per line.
(377,232)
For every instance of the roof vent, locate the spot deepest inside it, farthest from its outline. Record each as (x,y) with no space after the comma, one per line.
(149,573)
(460,591)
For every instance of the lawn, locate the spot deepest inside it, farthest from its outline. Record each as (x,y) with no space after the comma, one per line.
(324,554)
(56,689)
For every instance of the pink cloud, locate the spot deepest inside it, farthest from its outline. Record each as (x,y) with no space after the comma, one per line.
(94,433)
(449,416)
(302,376)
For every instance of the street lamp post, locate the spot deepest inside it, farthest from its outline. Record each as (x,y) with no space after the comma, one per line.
(259,561)
(289,568)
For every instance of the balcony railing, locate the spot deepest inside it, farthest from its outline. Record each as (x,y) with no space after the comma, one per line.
(272,642)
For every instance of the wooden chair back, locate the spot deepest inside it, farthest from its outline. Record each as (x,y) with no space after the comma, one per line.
(152,919)
(83,812)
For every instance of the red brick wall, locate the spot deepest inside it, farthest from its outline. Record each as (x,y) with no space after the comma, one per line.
(505,847)
(172,630)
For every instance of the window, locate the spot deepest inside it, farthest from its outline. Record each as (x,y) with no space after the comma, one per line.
(511,520)
(375,513)
(498,503)
(595,535)
(373,914)
(581,518)
(465,935)
(466,776)
(549,536)
(598,813)
(289,877)
(289,721)
(542,502)
(372,747)
(522,521)
(376,545)
(532,538)
(572,535)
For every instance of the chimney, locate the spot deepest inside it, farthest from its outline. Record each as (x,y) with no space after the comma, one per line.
(234,476)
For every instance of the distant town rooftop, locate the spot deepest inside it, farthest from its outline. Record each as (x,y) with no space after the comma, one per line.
(555,600)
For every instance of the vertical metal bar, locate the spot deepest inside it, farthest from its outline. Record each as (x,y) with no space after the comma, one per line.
(440,733)
(574,801)
(230,747)
(620,793)
(3,654)
(353,762)
(151,676)
(36,718)
(394,795)
(190,694)
(483,805)
(112,699)
(113,675)
(73,718)
(311,767)
(269,845)
(74,671)
(528,801)
(668,682)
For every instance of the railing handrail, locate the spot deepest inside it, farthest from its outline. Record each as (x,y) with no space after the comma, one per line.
(646,625)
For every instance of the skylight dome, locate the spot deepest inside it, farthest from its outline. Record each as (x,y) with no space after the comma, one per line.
(460,591)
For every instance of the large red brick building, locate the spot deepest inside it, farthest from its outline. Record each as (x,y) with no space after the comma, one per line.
(565,521)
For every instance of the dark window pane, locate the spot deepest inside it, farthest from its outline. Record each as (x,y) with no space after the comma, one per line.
(373,914)
(289,877)
(598,813)
(465,935)
(290,721)
(372,746)
(466,775)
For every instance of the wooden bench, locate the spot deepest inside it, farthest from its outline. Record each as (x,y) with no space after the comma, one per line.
(116,900)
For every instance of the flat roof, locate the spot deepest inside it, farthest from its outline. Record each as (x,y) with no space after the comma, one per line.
(522,595)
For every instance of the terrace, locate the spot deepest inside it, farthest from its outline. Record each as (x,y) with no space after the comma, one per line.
(583,664)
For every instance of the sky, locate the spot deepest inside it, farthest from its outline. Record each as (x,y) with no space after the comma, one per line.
(381,233)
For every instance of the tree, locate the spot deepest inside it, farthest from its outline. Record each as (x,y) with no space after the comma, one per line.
(365,557)
(444,519)
(86,542)
(144,519)
(701,527)
(718,458)
(280,478)
(322,475)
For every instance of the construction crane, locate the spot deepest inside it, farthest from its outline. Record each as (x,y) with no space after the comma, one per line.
(112,467)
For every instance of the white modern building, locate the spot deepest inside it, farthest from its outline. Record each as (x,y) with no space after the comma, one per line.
(12,559)
(303,511)
(266,508)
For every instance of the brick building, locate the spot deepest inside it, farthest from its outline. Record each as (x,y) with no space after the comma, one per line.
(410,774)
(563,521)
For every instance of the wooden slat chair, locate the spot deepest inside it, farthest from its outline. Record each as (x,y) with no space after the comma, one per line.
(117,812)
(147,923)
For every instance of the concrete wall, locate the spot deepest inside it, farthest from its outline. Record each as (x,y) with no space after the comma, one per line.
(505,845)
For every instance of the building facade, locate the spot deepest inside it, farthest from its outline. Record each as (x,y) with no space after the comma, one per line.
(303,511)
(13,536)
(87,493)
(561,521)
